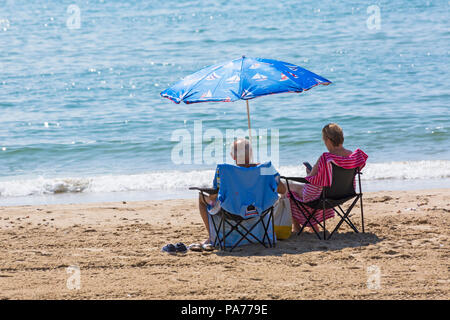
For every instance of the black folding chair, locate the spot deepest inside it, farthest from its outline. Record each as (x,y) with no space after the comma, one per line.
(340,191)
(223,218)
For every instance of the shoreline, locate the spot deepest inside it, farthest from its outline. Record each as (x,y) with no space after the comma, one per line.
(116,247)
(99,197)
(174,184)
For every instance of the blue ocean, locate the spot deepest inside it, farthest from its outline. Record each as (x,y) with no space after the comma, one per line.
(82,118)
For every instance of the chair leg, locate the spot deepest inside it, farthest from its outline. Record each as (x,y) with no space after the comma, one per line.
(224,236)
(217,231)
(245,233)
(302,210)
(323,217)
(266,228)
(362,213)
(273,228)
(244,236)
(361,201)
(307,221)
(248,232)
(344,217)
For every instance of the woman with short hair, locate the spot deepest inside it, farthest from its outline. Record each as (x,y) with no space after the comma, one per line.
(333,138)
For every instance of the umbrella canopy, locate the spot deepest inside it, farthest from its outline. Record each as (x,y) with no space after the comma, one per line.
(245,78)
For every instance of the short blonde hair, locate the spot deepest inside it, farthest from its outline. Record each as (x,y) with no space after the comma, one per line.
(333,132)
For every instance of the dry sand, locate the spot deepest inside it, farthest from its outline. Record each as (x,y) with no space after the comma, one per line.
(117,248)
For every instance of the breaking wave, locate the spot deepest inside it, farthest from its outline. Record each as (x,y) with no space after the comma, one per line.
(181,180)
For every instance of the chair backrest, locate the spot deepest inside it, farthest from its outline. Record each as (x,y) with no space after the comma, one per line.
(247,191)
(342,184)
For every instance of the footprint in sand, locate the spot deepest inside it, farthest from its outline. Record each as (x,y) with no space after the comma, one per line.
(380,199)
(390,252)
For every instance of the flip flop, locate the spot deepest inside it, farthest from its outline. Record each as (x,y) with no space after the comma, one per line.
(195,247)
(207,247)
(180,248)
(169,248)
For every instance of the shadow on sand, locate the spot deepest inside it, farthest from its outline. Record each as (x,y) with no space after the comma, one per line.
(306,242)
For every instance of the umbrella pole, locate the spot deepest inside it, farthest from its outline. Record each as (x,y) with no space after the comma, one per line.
(248,121)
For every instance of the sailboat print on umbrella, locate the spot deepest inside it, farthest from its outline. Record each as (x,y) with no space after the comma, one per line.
(206,95)
(259,77)
(284,77)
(233,79)
(241,82)
(212,76)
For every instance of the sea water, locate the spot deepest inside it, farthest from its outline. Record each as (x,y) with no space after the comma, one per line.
(81,118)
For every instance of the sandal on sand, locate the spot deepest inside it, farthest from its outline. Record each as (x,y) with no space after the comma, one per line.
(207,247)
(180,247)
(195,247)
(169,248)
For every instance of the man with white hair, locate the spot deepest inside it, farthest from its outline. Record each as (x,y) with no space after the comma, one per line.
(242,154)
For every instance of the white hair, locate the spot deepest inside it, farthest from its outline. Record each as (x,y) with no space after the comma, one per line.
(241,151)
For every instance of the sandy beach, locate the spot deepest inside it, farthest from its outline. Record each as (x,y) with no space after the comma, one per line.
(117,247)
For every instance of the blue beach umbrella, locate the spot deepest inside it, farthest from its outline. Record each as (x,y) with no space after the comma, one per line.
(242,79)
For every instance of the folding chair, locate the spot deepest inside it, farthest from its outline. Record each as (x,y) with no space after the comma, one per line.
(341,190)
(247,197)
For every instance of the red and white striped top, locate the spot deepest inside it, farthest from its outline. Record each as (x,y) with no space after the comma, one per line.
(323,178)
(324,175)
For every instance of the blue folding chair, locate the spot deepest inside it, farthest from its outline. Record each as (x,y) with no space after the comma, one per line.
(247,196)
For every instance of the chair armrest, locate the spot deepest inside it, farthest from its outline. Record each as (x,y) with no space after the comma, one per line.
(296,179)
(205,190)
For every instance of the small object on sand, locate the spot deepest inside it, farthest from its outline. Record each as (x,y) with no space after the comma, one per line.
(207,247)
(197,247)
(169,248)
(181,247)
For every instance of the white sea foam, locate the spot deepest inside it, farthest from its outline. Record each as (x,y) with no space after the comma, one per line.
(402,170)
(181,180)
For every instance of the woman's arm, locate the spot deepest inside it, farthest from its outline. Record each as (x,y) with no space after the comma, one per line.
(313,172)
